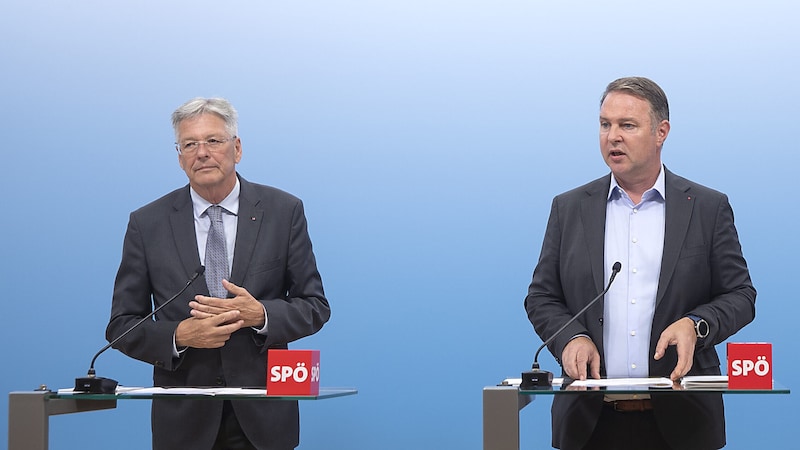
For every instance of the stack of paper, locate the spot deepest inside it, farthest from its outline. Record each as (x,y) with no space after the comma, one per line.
(705,381)
(616,382)
(180,391)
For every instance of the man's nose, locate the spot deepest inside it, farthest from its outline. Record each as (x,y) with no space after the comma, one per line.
(614,134)
(202,149)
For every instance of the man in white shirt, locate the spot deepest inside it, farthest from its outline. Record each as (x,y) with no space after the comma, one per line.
(684,286)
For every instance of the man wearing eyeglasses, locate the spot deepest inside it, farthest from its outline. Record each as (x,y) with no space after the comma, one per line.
(262,289)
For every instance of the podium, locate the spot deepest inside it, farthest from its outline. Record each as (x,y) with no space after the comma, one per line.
(502,404)
(29,411)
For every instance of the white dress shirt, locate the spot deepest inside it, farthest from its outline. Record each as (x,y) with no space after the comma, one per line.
(634,236)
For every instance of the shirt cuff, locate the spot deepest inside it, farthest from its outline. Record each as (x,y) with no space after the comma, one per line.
(176,353)
(263,330)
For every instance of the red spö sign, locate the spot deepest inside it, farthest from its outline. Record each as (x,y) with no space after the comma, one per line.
(749,365)
(292,372)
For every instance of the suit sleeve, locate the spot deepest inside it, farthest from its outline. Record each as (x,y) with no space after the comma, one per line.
(152,342)
(545,303)
(731,305)
(304,309)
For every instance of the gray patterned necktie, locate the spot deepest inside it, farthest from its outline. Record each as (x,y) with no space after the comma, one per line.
(216,253)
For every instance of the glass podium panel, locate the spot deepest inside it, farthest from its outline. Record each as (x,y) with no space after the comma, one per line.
(199,393)
(29,412)
(502,403)
(676,389)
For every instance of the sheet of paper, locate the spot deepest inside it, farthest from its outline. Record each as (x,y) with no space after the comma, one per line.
(167,391)
(616,382)
(516,381)
(128,390)
(688,381)
(720,381)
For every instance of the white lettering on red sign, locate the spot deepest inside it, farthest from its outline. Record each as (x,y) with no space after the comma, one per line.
(298,374)
(744,367)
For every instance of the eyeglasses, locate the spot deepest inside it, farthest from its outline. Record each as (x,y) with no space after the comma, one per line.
(212,145)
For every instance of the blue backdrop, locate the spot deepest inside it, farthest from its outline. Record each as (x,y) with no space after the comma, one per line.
(427,139)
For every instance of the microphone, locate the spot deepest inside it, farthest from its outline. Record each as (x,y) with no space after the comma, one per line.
(542,378)
(93,384)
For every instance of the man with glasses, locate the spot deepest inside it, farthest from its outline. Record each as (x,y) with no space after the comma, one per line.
(262,289)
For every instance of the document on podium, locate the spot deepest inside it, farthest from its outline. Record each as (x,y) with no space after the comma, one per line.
(128,390)
(517,381)
(705,381)
(696,381)
(603,382)
(616,382)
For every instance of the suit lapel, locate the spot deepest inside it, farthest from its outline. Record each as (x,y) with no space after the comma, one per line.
(593,218)
(248,227)
(182,223)
(678,212)
(593,221)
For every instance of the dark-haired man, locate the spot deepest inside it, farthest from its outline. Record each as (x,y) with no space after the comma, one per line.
(684,286)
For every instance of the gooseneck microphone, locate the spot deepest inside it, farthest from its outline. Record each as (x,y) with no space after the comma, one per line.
(92,384)
(542,378)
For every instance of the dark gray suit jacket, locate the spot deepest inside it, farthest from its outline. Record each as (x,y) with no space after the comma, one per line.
(703,272)
(273,260)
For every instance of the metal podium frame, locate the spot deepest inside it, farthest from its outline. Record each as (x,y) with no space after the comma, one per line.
(29,416)
(501,407)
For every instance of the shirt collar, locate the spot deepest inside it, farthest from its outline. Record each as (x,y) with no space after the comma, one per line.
(230,203)
(658,188)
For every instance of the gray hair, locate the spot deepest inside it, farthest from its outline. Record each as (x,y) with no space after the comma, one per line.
(199,106)
(644,89)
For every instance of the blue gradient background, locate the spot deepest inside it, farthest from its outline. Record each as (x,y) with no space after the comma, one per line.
(427,139)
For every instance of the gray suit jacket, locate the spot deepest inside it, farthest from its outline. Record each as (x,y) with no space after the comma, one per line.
(703,272)
(273,260)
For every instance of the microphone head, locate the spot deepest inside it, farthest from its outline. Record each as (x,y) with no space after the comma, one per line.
(202,269)
(617,267)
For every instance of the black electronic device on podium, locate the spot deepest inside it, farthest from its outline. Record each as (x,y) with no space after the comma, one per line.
(537,377)
(91,383)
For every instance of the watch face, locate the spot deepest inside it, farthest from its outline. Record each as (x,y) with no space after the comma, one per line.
(701,328)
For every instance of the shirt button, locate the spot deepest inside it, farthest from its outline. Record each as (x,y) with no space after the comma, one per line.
(634,270)
(633,332)
(633,301)
(635,240)
(633,366)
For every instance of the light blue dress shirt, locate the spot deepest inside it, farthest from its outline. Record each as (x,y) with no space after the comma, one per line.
(202,223)
(634,236)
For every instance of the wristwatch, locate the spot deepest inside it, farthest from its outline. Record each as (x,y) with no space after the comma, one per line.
(700,326)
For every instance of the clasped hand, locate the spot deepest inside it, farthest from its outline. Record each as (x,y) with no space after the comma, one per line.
(215,319)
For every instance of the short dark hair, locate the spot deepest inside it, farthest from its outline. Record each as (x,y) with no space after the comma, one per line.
(644,89)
